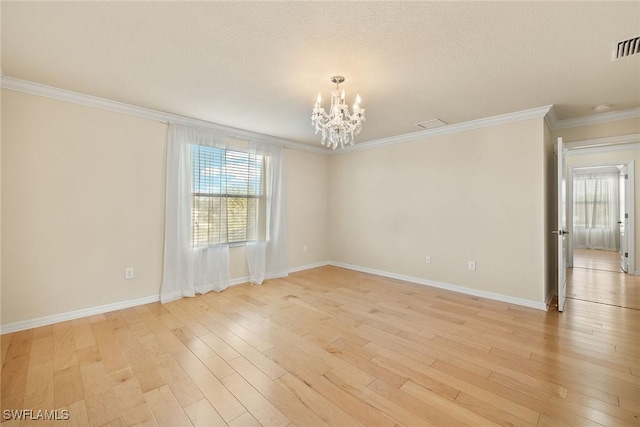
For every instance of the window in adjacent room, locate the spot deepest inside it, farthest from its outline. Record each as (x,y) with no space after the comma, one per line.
(227,193)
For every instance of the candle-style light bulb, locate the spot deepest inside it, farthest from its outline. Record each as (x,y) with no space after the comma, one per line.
(356,105)
(342,96)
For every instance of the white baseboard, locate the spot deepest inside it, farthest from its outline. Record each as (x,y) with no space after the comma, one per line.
(308,266)
(92,311)
(549,298)
(446,286)
(71,315)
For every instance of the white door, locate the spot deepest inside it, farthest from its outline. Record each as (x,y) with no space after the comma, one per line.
(562,225)
(623,221)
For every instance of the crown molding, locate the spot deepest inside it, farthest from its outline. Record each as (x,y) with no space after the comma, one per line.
(604,145)
(632,113)
(602,149)
(145,113)
(551,118)
(547,112)
(534,113)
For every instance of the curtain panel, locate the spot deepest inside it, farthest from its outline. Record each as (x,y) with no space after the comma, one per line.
(595,211)
(189,270)
(267,256)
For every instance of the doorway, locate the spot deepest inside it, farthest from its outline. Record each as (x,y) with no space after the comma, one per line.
(600,253)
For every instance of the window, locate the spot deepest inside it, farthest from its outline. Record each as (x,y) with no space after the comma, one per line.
(226,192)
(592,201)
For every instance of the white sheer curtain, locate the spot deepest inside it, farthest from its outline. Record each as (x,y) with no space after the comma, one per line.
(267,257)
(595,210)
(189,270)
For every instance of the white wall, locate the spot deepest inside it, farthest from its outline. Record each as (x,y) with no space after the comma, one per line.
(475,195)
(83,198)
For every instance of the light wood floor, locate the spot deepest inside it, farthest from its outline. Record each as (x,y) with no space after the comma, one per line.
(596,277)
(332,347)
(594,259)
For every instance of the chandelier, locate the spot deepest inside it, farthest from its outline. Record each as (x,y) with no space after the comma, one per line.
(338,126)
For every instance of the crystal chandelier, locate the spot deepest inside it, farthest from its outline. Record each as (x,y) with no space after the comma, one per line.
(339,126)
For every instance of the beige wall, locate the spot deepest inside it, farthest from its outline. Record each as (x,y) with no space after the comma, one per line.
(1,92)
(307,207)
(83,198)
(475,195)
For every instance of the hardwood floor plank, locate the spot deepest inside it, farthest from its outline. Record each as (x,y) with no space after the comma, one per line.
(445,406)
(83,335)
(109,348)
(341,350)
(358,409)
(68,386)
(223,349)
(127,390)
(329,346)
(577,416)
(102,408)
(138,416)
(220,398)
(259,407)
(5,340)
(202,414)
(166,409)
(490,412)
(172,374)
(39,389)
(13,383)
(326,410)
(216,364)
(245,420)
(256,357)
(19,345)
(285,401)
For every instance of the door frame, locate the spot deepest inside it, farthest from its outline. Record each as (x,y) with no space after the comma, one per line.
(629,201)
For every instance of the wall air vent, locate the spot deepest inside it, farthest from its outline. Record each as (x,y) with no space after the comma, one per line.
(625,48)
(430,124)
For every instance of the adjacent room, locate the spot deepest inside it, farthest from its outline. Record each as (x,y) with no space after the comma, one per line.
(320,213)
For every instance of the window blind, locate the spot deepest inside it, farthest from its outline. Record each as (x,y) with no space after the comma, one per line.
(227,187)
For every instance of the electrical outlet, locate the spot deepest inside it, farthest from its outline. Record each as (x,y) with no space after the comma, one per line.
(427,259)
(472,266)
(128,273)
(305,248)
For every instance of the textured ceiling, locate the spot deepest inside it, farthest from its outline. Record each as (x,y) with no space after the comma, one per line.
(259,65)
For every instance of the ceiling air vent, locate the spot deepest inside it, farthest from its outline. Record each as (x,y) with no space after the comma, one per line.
(430,124)
(625,48)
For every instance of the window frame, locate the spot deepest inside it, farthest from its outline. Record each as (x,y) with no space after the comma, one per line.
(259,197)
